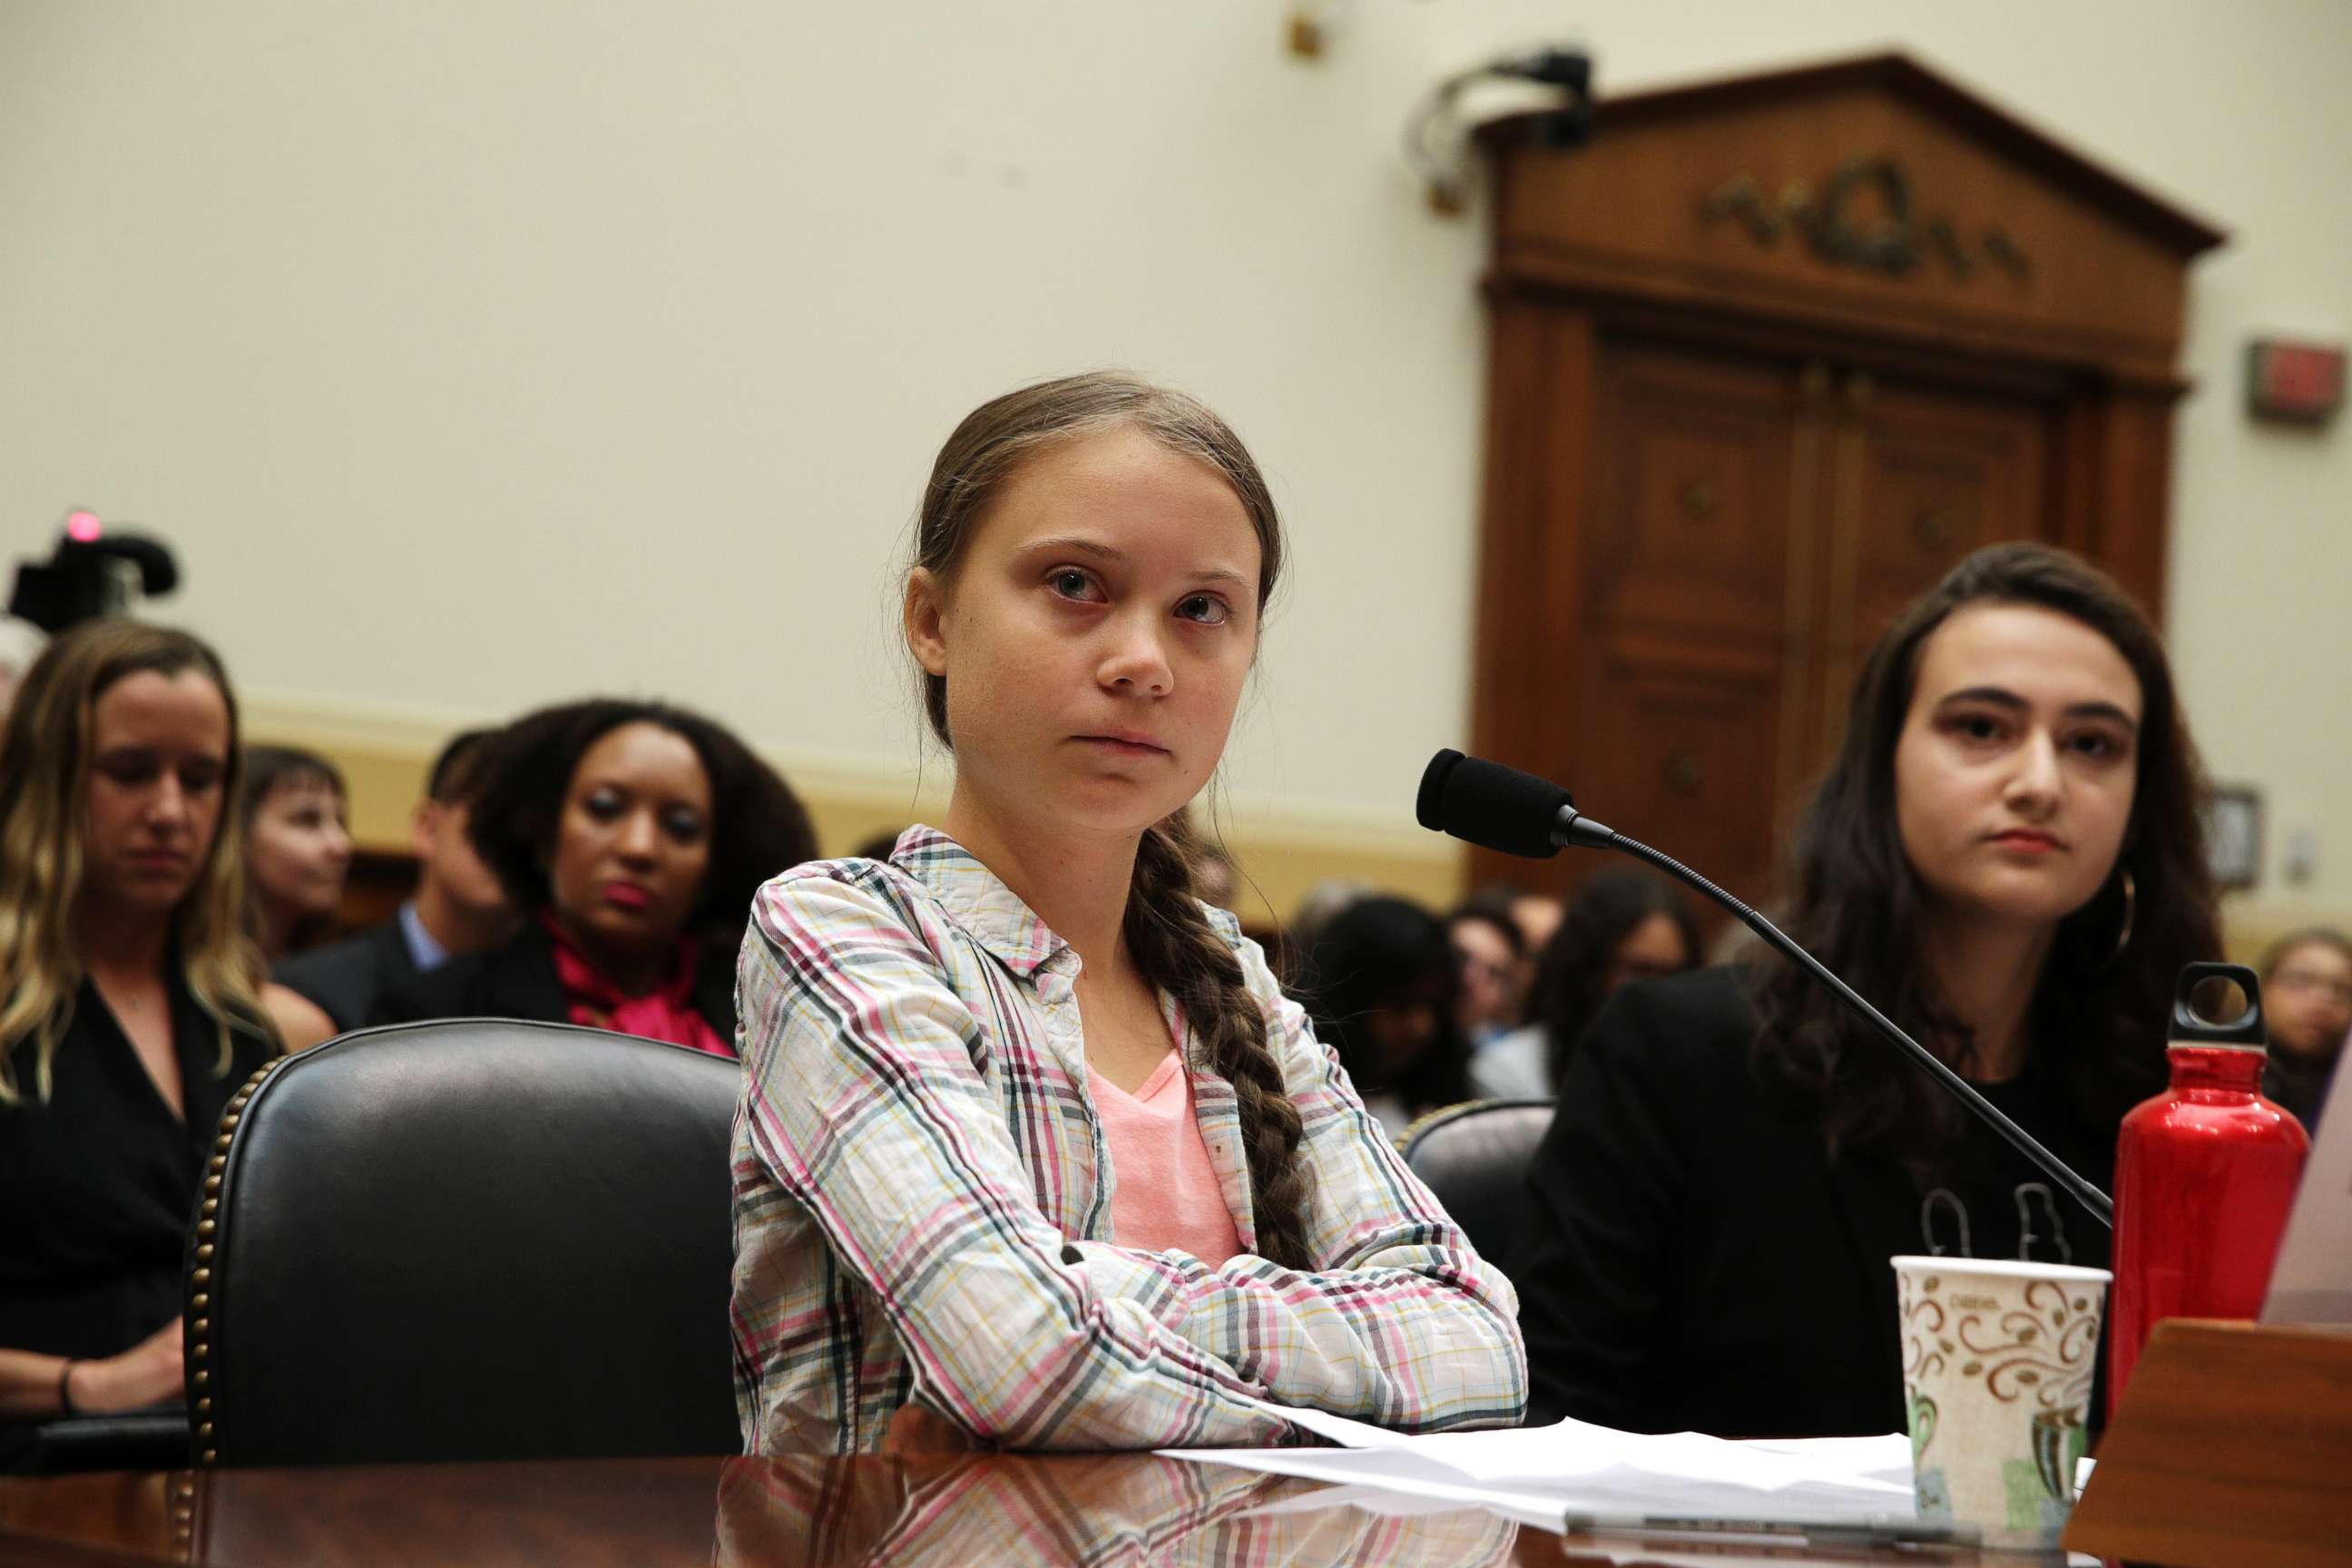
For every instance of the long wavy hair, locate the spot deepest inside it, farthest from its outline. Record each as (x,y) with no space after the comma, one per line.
(45,767)
(1167,933)
(2098,1014)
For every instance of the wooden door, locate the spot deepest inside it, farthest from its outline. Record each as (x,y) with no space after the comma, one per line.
(1770,355)
(1919,476)
(1699,555)
(1751,523)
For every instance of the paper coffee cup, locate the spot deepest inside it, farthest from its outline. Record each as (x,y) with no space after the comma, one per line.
(1998,1358)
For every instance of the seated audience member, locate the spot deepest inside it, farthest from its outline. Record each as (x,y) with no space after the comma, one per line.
(1313,913)
(1538,916)
(631,837)
(1622,924)
(1032,1147)
(2307,1003)
(132,1006)
(1384,988)
(2007,857)
(1492,957)
(458,907)
(298,846)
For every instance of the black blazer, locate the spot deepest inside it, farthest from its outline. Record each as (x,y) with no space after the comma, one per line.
(346,977)
(519,981)
(1691,1257)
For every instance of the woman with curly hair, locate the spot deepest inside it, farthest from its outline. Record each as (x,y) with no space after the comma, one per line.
(632,836)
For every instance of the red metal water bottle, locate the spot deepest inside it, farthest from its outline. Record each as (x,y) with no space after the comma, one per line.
(2205,1173)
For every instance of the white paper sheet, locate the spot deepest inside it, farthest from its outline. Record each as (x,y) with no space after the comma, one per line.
(1537,1474)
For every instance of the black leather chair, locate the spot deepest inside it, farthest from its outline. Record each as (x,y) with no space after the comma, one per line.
(1474,1158)
(467,1240)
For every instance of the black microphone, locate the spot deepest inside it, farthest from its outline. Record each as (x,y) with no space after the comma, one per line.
(1504,809)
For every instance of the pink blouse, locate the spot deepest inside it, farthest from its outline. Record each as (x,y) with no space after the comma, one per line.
(1167,1198)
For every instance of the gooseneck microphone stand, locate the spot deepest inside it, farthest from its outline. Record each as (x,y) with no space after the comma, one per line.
(1444,808)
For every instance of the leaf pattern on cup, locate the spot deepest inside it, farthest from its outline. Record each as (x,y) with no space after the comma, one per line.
(1921,1356)
(2044,1352)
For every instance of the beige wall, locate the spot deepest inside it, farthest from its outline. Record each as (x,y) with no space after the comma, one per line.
(479,354)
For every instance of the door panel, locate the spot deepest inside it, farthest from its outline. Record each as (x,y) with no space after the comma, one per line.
(1692,485)
(1679,759)
(1698,555)
(1743,527)
(1923,476)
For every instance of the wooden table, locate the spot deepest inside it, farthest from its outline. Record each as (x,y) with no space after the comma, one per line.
(964,1510)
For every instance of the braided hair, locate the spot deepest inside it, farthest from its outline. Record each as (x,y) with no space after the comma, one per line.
(1166,932)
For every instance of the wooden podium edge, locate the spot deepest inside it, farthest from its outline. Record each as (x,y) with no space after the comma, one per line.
(2233,1447)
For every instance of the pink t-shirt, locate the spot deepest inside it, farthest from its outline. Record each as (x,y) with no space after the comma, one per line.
(1166,1198)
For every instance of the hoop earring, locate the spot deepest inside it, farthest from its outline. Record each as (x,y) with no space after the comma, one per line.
(2131,903)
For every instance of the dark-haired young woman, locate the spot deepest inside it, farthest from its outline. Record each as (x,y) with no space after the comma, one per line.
(632,836)
(1032,1148)
(298,846)
(1624,924)
(1382,983)
(2007,857)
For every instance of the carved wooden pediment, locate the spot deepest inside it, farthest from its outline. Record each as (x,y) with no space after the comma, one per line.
(1872,191)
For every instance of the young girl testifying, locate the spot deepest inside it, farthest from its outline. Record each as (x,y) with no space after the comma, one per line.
(1029,1138)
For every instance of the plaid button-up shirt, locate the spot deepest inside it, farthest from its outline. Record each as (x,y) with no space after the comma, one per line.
(922,1203)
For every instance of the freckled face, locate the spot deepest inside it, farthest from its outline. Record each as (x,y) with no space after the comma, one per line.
(2017,766)
(1096,635)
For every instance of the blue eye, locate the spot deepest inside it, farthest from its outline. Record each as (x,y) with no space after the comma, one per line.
(1206,609)
(1072,583)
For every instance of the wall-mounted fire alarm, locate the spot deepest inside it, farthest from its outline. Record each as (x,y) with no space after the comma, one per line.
(2302,383)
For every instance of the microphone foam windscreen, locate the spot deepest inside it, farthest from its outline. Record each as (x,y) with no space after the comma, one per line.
(1491,805)
(1429,805)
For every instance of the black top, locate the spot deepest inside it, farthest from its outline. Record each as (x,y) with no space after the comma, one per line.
(520,981)
(99,1184)
(1693,1259)
(346,978)
(2301,1085)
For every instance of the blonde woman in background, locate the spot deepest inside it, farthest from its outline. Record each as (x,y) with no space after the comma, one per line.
(132,1005)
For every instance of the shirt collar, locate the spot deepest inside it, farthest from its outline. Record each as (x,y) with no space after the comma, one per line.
(423,949)
(976,899)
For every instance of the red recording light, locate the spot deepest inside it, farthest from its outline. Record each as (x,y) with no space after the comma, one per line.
(83,526)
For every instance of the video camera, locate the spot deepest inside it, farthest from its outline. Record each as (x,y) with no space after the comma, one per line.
(93,573)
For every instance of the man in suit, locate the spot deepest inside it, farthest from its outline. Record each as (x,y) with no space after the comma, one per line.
(458,907)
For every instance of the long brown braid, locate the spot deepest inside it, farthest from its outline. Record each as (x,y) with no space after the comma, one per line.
(1168,935)
(1174,944)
